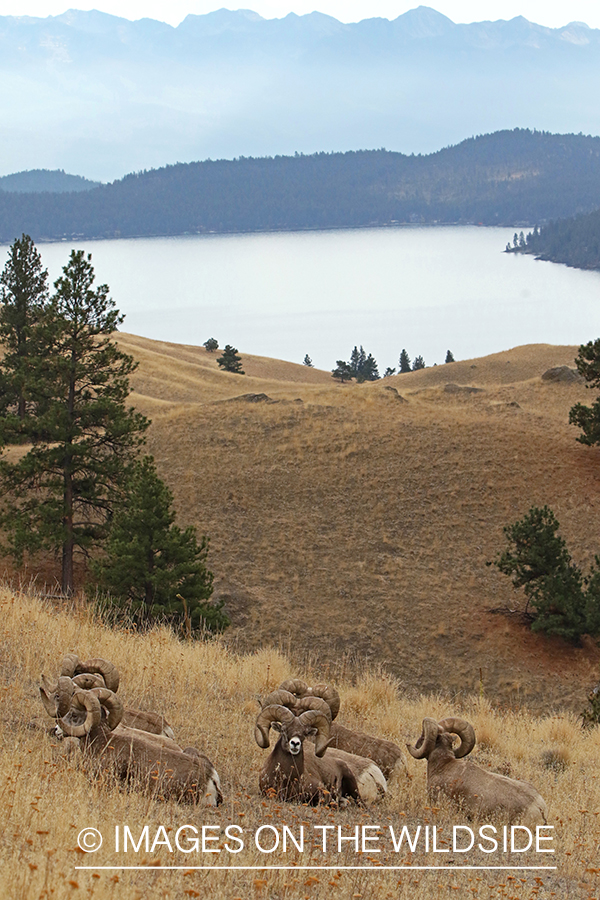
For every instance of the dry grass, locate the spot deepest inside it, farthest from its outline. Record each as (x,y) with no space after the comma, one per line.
(354,525)
(347,525)
(208,693)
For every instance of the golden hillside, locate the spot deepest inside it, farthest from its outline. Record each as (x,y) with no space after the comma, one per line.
(350,529)
(208,694)
(348,525)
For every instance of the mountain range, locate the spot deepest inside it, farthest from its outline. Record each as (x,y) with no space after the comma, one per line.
(100,95)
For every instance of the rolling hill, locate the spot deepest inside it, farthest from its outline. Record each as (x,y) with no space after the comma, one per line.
(353,528)
(38,180)
(350,527)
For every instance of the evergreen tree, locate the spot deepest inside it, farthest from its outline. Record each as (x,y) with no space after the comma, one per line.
(560,600)
(449,356)
(389,371)
(363,367)
(369,370)
(60,495)
(357,361)
(152,568)
(231,361)
(419,363)
(211,345)
(588,417)
(342,372)
(23,297)
(307,361)
(404,362)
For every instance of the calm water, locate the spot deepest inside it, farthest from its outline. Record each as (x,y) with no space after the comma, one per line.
(284,295)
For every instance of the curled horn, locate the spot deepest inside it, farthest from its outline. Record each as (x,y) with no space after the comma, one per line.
(280,698)
(57,697)
(313,718)
(108,670)
(88,680)
(69,665)
(47,700)
(329,695)
(295,686)
(111,703)
(316,703)
(464,730)
(264,720)
(64,692)
(83,700)
(427,741)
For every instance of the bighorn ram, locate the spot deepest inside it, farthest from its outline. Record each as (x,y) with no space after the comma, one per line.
(154,761)
(296,771)
(385,754)
(90,674)
(479,791)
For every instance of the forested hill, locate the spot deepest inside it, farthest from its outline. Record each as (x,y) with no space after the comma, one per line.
(574,241)
(515,177)
(36,180)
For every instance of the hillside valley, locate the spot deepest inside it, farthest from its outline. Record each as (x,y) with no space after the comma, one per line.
(351,525)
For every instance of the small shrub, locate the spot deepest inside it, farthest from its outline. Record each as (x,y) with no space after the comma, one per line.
(591,715)
(557,759)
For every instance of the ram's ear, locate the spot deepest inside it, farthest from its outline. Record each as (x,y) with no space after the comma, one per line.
(277,726)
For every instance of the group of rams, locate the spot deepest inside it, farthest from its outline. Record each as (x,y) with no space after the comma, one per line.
(315,760)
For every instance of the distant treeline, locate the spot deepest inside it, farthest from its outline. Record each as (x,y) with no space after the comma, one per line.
(508,178)
(37,180)
(575,241)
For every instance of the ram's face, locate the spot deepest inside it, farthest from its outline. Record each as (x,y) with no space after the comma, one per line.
(293,736)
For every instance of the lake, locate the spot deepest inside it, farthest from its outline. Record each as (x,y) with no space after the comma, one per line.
(425,288)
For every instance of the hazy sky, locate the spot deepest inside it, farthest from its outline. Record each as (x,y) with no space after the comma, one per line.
(545,12)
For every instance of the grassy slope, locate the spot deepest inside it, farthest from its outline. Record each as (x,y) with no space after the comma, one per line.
(352,525)
(208,694)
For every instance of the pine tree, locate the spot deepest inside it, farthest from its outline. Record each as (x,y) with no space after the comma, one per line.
(231,361)
(211,345)
(357,361)
(363,367)
(404,362)
(342,372)
(152,568)
(388,372)
(560,600)
(369,370)
(23,297)
(449,356)
(60,495)
(588,417)
(419,363)
(307,361)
